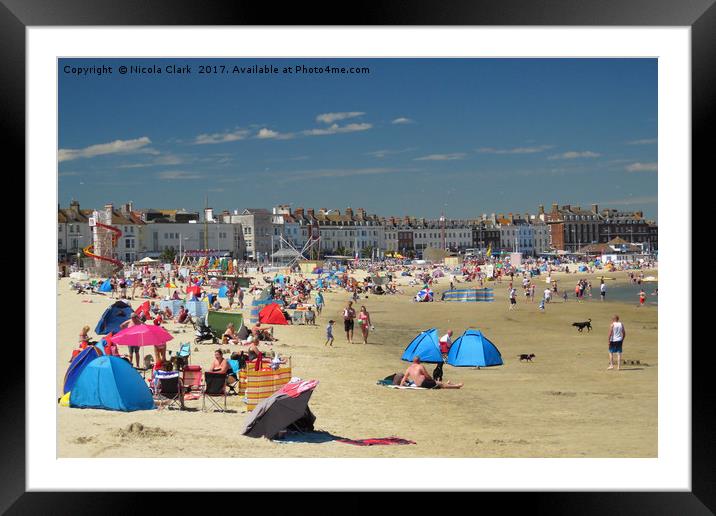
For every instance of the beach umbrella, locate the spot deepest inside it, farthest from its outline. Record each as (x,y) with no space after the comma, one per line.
(142,335)
(288,406)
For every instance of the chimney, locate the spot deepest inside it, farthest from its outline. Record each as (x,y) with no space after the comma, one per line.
(299,212)
(108,211)
(541,209)
(209,214)
(349,212)
(595,208)
(555,207)
(310,213)
(74,206)
(361,213)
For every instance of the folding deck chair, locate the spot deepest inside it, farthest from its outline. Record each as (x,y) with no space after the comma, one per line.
(169,387)
(214,387)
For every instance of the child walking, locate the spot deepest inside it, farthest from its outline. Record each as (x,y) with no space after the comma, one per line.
(329,333)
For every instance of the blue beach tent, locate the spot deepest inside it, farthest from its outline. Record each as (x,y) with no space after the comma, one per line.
(106,286)
(78,365)
(473,349)
(112,317)
(111,383)
(426,346)
(223,290)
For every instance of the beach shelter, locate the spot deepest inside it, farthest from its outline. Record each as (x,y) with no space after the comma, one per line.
(106,286)
(78,365)
(223,290)
(286,408)
(144,308)
(437,273)
(112,317)
(473,349)
(425,295)
(218,321)
(111,383)
(426,346)
(197,308)
(272,314)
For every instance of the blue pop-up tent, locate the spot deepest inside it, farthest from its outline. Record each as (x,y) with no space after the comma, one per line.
(111,383)
(426,346)
(77,366)
(106,286)
(112,317)
(223,290)
(473,349)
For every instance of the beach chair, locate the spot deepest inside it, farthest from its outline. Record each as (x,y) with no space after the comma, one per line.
(169,388)
(236,371)
(185,352)
(214,387)
(191,378)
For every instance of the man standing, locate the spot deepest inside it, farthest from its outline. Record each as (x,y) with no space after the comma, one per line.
(349,314)
(513,298)
(617,333)
(445,343)
(602,289)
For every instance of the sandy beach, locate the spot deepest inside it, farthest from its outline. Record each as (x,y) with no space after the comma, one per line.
(563,404)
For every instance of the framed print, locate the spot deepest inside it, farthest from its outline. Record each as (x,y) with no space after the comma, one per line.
(419,250)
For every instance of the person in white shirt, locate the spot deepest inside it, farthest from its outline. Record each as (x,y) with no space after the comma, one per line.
(547,295)
(617,333)
(445,343)
(602,290)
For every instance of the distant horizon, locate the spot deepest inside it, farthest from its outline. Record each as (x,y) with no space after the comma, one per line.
(405,136)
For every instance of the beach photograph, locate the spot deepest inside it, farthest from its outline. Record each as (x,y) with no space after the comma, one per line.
(357,258)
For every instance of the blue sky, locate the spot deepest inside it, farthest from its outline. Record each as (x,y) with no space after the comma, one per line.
(413,136)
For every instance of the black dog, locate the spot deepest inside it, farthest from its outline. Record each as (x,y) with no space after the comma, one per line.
(581,325)
(438,373)
(527,357)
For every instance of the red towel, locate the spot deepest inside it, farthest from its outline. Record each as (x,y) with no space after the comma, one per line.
(378,441)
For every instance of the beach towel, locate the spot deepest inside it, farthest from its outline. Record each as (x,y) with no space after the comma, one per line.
(373,442)
(413,387)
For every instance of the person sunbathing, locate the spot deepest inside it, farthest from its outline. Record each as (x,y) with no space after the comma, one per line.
(417,373)
(230,336)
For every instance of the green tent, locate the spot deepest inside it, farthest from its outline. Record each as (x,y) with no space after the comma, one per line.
(218,321)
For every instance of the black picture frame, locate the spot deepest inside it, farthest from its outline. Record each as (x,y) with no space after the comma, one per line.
(700,15)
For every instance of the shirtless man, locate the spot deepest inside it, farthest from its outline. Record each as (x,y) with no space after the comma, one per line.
(219,365)
(418,374)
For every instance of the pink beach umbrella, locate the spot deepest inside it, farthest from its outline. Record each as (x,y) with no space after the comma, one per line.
(142,335)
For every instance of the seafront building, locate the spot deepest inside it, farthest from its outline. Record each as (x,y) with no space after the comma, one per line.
(262,235)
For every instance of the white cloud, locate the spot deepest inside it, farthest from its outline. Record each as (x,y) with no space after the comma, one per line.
(265,134)
(329,118)
(515,150)
(645,141)
(115,147)
(403,120)
(575,155)
(387,152)
(335,129)
(442,157)
(232,136)
(178,175)
(642,167)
